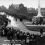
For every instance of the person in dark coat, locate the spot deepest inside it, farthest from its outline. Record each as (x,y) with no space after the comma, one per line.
(10,34)
(41,20)
(41,32)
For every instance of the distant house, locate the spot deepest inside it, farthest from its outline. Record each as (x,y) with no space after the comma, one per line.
(43,11)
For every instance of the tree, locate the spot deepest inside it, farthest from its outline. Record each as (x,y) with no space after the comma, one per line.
(22,9)
(12,9)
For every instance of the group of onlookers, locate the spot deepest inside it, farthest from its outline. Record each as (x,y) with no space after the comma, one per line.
(27,38)
(38,20)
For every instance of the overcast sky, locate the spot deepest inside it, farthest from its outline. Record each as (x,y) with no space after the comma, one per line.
(27,3)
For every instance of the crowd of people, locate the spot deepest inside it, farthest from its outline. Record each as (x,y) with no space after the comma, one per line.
(38,20)
(25,38)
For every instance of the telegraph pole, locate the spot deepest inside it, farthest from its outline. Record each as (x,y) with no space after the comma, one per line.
(39,9)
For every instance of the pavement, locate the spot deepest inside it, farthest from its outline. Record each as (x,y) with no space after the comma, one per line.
(21,26)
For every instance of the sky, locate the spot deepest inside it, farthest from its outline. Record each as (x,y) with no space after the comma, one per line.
(27,3)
